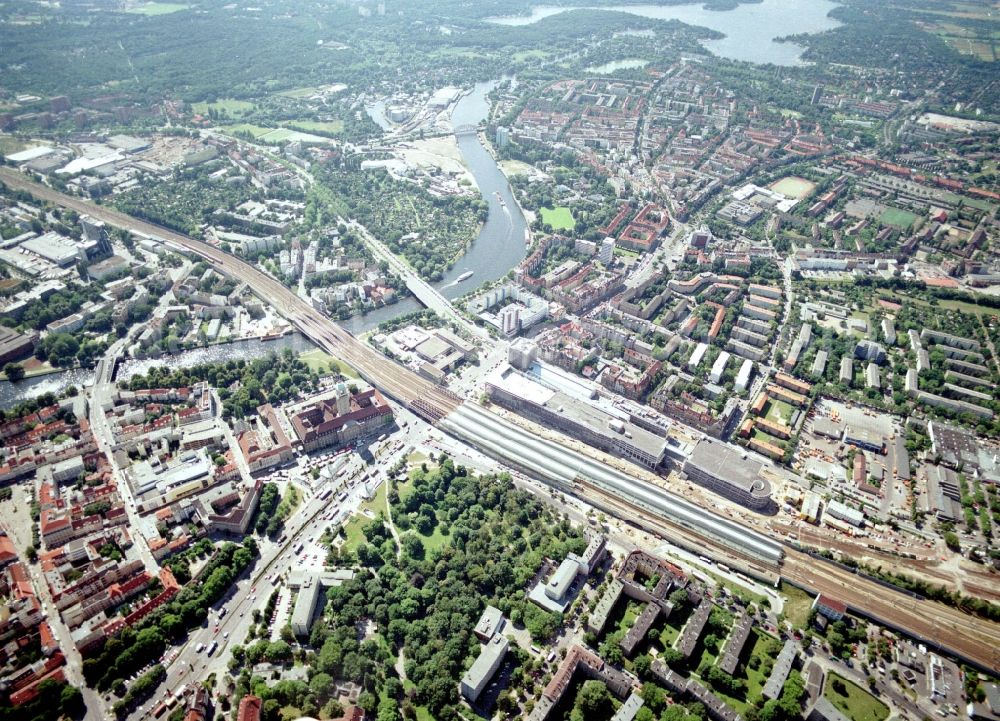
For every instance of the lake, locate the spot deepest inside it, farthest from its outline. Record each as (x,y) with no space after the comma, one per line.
(750,29)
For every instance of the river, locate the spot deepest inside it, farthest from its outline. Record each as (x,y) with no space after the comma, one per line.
(498,247)
(13,393)
(750,29)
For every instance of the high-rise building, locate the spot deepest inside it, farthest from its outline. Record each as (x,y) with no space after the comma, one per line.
(817,95)
(503,136)
(607,252)
(96,239)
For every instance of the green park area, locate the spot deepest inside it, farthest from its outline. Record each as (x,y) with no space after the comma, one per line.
(560,218)
(898,218)
(155,8)
(852,700)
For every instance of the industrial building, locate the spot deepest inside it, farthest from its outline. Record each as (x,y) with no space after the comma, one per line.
(728,471)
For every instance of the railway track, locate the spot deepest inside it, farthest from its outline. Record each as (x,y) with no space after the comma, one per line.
(970,637)
(394,380)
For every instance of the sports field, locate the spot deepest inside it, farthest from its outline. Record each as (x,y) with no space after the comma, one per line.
(897,218)
(559,218)
(793,187)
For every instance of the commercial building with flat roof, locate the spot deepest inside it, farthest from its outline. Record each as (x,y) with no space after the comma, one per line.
(483,668)
(305,607)
(490,623)
(585,421)
(845,513)
(730,472)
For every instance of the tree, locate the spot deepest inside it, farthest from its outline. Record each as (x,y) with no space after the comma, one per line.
(14,372)
(951,540)
(592,701)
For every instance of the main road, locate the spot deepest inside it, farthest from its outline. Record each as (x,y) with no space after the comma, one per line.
(968,636)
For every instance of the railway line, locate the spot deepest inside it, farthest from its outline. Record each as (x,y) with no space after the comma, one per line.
(970,637)
(973,639)
(425,398)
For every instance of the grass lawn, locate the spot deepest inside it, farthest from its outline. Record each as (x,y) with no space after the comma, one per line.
(779,412)
(332,127)
(10,145)
(983,205)
(858,704)
(352,529)
(559,218)
(319,361)
(155,8)
(897,218)
(797,605)
(255,130)
(226,105)
(521,55)
(298,92)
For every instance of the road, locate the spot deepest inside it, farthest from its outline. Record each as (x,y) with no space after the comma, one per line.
(101,394)
(185,664)
(420,288)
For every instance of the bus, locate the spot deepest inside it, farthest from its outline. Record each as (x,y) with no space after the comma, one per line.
(342,496)
(382,437)
(325,494)
(298,548)
(211,648)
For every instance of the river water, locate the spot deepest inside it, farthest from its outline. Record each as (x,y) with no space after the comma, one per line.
(13,393)
(498,247)
(750,29)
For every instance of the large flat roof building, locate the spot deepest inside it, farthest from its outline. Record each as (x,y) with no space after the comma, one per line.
(305,607)
(730,472)
(585,421)
(483,668)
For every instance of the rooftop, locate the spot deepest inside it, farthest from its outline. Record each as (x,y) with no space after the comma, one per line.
(731,464)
